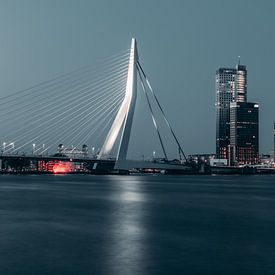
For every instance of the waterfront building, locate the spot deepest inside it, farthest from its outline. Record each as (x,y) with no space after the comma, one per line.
(206,158)
(231,86)
(266,160)
(244,133)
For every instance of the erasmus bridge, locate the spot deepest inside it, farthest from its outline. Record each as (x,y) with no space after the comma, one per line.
(91,105)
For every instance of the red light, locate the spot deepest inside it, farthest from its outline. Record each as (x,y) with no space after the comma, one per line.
(62,167)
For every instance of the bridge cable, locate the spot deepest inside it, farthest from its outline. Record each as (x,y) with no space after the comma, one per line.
(67,111)
(62,102)
(60,135)
(166,120)
(49,107)
(55,126)
(104,102)
(126,53)
(116,103)
(54,88)
(152,114)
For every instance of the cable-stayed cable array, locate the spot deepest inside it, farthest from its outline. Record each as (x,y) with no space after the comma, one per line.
(73,109)
(145,84)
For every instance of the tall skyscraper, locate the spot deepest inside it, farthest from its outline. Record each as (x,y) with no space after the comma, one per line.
(240,94)
(244,133)
(237,121)
(231,86)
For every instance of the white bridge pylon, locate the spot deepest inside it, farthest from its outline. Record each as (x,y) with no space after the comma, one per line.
(124,118)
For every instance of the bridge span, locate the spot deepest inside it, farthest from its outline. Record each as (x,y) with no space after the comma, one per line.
(44,164)
(66,119)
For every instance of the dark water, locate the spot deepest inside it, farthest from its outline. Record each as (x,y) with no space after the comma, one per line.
(71,224)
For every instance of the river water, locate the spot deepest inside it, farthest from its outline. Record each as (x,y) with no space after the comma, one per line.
(153,224)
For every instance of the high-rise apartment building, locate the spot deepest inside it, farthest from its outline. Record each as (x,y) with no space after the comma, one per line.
(244,133)
(231,86)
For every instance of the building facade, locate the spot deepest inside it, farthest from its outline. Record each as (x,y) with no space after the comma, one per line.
(244,133)
(225,86)
(231,86)
(240,94)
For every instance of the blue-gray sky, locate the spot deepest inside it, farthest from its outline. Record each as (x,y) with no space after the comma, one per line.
(181,44)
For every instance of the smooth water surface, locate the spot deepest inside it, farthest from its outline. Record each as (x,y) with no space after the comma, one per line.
(86,224)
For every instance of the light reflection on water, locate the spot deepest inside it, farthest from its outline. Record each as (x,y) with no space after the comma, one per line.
(137,225)
(127,226)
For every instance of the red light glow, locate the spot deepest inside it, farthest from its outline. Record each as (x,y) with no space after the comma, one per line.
(61,167)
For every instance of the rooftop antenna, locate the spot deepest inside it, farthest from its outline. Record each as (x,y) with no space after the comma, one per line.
(239,60)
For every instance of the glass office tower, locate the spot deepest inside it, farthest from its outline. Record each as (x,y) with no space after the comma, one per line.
(231,86)
(244,133)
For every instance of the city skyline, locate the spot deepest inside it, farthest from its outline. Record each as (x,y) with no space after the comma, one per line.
(137,137)
(42,40)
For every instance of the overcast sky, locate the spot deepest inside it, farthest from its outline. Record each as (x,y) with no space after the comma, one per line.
(181,44)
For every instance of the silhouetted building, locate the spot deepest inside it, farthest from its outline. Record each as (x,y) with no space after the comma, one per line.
(244,133)
(231,86)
